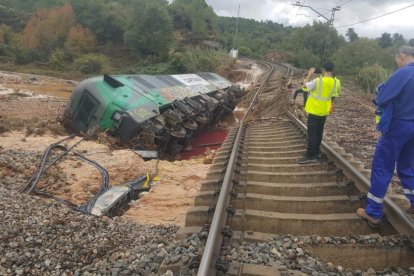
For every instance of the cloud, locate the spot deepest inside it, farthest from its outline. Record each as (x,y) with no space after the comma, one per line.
(351,12)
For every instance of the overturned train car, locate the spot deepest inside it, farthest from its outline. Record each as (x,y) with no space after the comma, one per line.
(160,113)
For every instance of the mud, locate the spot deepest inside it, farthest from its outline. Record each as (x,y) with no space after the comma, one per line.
(30,108)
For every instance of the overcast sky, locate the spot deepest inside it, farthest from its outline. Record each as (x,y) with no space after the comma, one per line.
(351,12)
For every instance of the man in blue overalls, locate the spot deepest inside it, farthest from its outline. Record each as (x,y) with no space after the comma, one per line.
(395,148)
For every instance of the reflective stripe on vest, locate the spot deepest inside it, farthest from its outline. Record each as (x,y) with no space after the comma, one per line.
(319,96)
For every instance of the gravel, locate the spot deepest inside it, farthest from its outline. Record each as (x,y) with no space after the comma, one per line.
(352,126)
(16,167)
(46,238)
(288,252)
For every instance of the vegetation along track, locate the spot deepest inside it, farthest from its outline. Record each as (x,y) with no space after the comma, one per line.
(265,214)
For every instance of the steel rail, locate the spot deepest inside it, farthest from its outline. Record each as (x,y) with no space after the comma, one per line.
(215,238)
(394,214)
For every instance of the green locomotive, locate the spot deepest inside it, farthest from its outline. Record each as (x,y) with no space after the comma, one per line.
(161,112)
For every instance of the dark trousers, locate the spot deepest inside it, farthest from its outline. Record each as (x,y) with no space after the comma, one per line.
(305,95)
(315,133)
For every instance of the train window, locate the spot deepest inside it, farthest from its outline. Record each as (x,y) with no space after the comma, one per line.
(85,112)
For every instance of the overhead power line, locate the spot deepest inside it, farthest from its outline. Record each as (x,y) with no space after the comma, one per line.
(353,11)
(343,4)
(366,20)
(330,23)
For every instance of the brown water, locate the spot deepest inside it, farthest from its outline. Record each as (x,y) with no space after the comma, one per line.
(57,89)
(35,84)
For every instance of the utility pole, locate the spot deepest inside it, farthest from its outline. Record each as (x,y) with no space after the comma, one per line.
(237,28)
(298,4)
(329,21)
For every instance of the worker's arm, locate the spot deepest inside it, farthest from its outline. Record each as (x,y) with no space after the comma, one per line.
(309,76)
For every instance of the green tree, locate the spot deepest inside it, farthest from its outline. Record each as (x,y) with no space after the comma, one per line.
(150,29)
(361,53)
(5,34)
(351,34)
(194,16)
(398,40)
(370,76)
(385,40)
(12,18)
(245,51)
(92,64)
(32,5)
(260,37)
(318,39)
(192,60)
(411,42)
(305,58)
(105,20)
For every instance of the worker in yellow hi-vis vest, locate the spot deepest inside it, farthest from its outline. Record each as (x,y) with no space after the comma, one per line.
(303,89)
(322,91)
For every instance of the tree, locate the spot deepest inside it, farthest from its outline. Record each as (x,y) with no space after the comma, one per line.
(194,16)
(12,18)
(411,42)
(80,40)
(150,28)
(245,51)
(398,40)
(5,34)
(48,29)
(351,34)
(361,53)
(106,20)
(314,39)
(385,40)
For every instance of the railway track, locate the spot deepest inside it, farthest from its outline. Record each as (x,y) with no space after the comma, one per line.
(256,195)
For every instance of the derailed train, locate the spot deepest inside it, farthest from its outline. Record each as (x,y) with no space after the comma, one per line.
(161,112)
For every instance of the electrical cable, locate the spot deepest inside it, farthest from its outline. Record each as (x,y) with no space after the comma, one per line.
(35,177)
(366,20)
(354,10)
(343,4)
(30,187)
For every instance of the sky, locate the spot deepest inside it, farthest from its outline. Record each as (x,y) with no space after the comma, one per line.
(351,11)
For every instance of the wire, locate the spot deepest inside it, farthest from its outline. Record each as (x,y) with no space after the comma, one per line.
(353,11)
(366,20)
(343,4)
(300,7)
(42,167)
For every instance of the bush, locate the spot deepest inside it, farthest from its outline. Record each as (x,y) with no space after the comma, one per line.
(245,52)
(26,56)
(199,60)
(370,76)
(305,59)
(57,58)
(92,64)
(154,69)
(6,50)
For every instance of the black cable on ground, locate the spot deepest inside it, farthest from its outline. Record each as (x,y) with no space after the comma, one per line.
(30,187)
(40,167)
